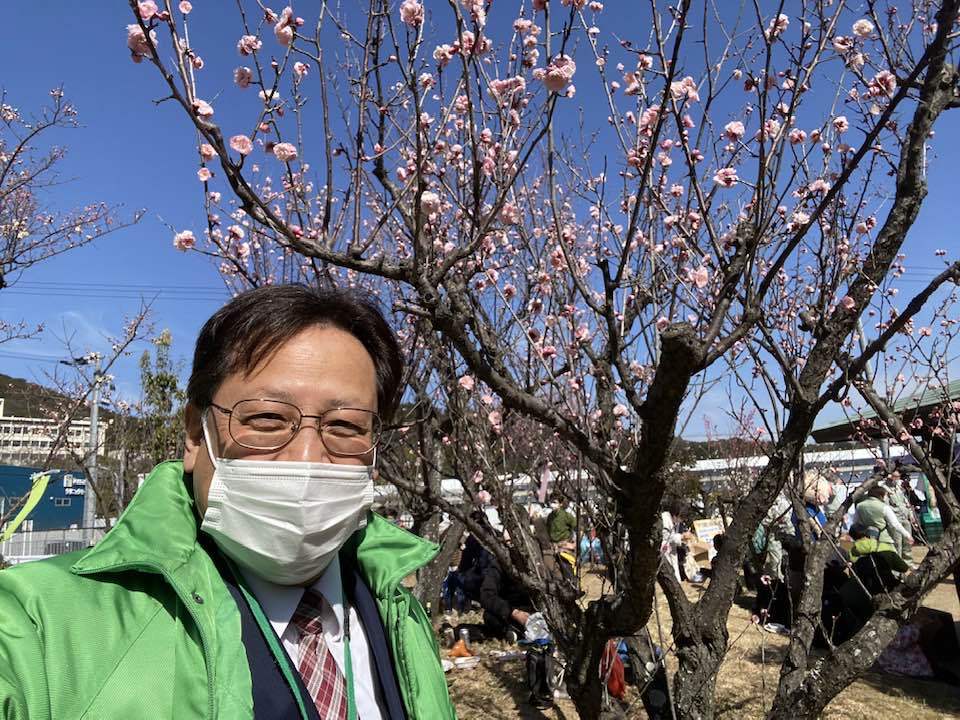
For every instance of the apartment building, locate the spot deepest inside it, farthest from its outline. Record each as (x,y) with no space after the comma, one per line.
(27,439)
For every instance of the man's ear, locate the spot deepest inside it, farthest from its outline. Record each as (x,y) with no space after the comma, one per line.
(193,441)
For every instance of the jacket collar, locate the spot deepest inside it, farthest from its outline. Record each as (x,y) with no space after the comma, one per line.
(159,530)
(385,554)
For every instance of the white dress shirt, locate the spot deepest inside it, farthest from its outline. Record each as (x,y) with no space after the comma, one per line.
(279,603)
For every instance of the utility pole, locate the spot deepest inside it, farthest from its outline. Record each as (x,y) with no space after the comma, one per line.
(89,496)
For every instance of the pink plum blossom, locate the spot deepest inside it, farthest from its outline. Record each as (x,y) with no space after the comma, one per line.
(883,83)
(848,303)
(248,44)
(466,382)
(284,29)
(777,26)
(285,152)
(506,89)
(685,89)
(204,174)
(300,69)
(510,214)
(243,76)
(734,130)
(284,34)
(241,144)
(207,152)
(662,323)
(701,277)
(147,9)
(184,240)
(430,202)
(726,177)
(620,410)
(769,129)
(137,42)
(202,108)
(862,28)
(840,124)
(559,73)
(842,44)
(495,418)
(185,7)
(411,13)
(443,54)
(797,136)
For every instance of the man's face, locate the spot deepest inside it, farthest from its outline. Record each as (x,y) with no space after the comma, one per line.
(320,369)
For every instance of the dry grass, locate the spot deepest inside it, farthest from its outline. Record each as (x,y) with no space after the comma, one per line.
(497,689)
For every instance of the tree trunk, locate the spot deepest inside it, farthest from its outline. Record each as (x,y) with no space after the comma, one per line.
(694,684)
(431,576)
(583,685)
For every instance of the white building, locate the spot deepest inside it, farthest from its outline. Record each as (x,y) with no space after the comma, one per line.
(29,438)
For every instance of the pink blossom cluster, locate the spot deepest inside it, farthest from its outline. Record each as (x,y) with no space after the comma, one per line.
(286,25)
(506,90)
(685,90)
(411,13)
(184,240)
(137,42)
(558,74)
(777,27)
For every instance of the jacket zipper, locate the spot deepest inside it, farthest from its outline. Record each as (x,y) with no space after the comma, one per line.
(399,608)
(184,598)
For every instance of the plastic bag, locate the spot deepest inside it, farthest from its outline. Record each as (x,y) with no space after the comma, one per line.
(536,628)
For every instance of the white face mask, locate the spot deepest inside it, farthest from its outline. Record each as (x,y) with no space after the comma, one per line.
(285,520)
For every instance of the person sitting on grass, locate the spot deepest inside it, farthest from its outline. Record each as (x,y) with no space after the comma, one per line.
(866,541)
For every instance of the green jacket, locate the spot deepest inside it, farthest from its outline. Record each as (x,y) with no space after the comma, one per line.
(866,546)
(870,513)
(142,625)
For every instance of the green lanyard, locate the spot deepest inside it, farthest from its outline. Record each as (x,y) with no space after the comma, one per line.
(348,665)
(278,652)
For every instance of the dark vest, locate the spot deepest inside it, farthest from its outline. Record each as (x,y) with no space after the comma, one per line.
(273,698)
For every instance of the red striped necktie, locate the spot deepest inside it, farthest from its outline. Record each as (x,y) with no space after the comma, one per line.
(317,667)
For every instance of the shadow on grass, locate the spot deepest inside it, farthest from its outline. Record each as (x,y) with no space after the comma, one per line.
(772,657)
(936,695)
(512,679)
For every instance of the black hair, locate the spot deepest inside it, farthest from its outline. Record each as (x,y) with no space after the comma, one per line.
(258,322)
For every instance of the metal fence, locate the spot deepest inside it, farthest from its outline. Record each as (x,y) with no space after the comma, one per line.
(39,544)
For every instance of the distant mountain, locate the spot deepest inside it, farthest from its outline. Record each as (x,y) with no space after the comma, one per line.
(22,398)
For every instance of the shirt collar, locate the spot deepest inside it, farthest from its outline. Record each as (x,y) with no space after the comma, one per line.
(280,601)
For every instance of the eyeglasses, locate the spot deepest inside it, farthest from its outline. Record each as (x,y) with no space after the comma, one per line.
(271,424)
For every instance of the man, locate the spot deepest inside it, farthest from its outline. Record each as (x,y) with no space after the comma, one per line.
(250,580)
(897,500)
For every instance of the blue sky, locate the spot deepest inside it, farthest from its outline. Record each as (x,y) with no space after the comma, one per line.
(134,153)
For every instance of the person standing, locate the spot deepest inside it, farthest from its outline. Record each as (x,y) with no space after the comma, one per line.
(898,501)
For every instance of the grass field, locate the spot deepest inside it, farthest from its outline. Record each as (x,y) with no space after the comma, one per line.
(746,682)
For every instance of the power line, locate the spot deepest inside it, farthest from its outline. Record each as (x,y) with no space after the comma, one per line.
(25,356)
